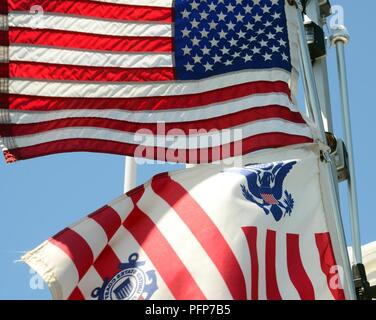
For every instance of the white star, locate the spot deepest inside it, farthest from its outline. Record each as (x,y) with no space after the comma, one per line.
(205,50)
(247,58)
(225,50)
(204,33)
(256,2)
(267,56)
(213,25)
(194,5)
(282,42)
(208,66)
(285,57)
(214,42)
(236,55)
(255,50)
(217,58)
(194,23)
(265,9)
(185,32)
(195,41)
(260,31)
(274,2)
(185,13)
(189,67)
(231,25)
(228,63)
(268,24)
(247,9)
(221,1)
(186,50)
(251,39)
(197,58)
(263,43)
(212,7)
(257,17)
(222,35)
(278,29)
(241,34)
(233,42)
(276,15)
(221,16)
(244,47)
(239,17)
(275,48)
(203,15)
(239,1)
(270,36)
(230,8)
(249,26)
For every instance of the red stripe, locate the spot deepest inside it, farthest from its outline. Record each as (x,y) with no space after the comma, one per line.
(19,102)
(254,143)
(187,128)
(327,260)
(205,231)
(168,264)
(296,270)
(80,40)
(272,291)
(94,9)
(107,264)
(76,295)
(108,219)
(44,71)
(251,235)
(76,248)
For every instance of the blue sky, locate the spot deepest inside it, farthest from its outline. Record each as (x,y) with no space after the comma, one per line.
(40,197)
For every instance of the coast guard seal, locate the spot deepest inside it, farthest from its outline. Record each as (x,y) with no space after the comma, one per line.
(130,283)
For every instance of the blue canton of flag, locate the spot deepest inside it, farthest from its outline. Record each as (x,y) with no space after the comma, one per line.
(219,36)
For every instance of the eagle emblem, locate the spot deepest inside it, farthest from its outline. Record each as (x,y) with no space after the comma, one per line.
(265,187)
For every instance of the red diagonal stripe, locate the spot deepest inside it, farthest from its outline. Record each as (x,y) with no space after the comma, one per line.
(272,291)
(251,235)
(88,41)
(328,261)
(76,295)
(108,219)
(103,10)
(162,255)
(107,264)
(296,270)
(76,248)
(205,231)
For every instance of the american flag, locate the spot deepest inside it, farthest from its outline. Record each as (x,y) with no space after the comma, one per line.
(192,235)
(83,75)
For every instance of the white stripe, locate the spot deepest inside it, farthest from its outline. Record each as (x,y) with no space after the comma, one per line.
(311,262)
(89,58)
(124,244)
(261,253)
(154,3)
(211,139)
(123,207)
(90,281)
(132,90)
(55,267)
(173,115)
(185,245)
(285,286)
(93,234)
(89,25)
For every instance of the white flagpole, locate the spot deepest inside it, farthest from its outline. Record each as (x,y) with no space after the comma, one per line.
(340,38)
(315,103)
(130,174)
